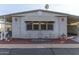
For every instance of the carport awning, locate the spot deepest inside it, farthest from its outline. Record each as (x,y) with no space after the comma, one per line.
(73,20)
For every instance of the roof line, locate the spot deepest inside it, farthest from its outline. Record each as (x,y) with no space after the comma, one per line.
(34,11)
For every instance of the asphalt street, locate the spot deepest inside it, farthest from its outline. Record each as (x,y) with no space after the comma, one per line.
(39,51)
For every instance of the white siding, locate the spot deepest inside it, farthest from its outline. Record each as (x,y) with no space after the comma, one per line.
(15,27)
(19,27)
(62,26)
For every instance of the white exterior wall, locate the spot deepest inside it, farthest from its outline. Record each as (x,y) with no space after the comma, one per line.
(19,27)
(63,26)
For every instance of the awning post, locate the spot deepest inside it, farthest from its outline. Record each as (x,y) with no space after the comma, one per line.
(4,31)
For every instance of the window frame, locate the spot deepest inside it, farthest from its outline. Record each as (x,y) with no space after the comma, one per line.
(39,23)
(28,22)
(50,23)
(35,24)
(43,23)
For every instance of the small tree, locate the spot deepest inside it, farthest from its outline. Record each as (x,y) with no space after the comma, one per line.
(47,6)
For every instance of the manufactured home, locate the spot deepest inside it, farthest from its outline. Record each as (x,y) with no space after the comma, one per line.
(42,24)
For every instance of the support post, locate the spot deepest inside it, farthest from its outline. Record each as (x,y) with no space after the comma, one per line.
(4,28)
(1,38)
(78,29)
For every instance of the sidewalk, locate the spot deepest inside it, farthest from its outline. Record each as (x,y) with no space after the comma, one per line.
(39,45)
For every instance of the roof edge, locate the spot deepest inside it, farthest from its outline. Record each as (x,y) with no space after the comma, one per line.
(35,11)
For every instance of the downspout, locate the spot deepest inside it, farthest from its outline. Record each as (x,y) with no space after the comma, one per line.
(58,27)
(20,28)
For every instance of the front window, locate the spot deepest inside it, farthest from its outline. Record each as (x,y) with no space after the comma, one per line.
(29,25)
(35,25)
(50,25)
(39,25)
(43,25)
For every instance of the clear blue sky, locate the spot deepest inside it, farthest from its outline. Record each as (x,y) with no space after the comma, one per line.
(12,8)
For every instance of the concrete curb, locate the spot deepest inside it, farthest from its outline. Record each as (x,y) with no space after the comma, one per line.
(39,45)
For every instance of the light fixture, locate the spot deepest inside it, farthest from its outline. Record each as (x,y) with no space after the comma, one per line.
(15,19)
(62,18)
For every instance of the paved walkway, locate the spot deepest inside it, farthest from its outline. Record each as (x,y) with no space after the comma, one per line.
(39,45)
(39,49)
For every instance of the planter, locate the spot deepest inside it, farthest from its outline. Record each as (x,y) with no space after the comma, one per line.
(62,42)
